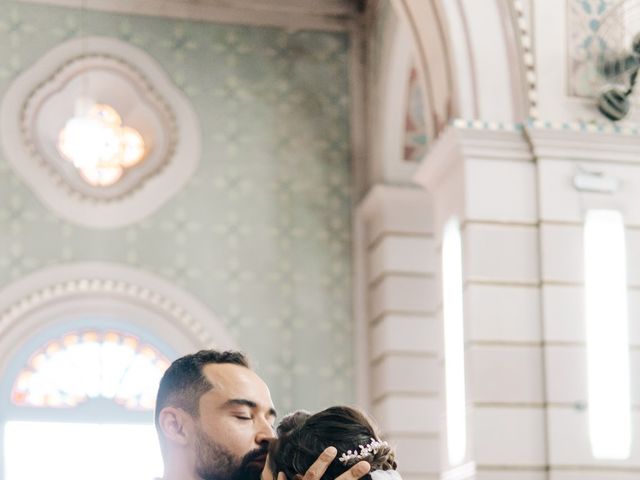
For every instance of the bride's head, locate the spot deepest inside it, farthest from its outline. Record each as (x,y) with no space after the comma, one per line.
(302,437)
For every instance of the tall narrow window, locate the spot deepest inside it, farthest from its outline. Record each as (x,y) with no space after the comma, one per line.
(454,342)
(607,334)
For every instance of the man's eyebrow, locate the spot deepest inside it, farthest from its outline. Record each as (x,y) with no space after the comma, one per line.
(248,403)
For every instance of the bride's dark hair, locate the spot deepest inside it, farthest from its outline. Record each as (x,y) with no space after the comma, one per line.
(302,437)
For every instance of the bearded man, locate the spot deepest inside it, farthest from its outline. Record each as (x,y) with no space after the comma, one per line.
(215,418)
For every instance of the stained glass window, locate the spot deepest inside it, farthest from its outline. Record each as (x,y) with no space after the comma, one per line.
(84,365)
(415,127)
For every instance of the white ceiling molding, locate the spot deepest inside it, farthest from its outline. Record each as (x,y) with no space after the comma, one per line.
(73,292)
(459,142)
(583,142)
(42,99)
(330,15)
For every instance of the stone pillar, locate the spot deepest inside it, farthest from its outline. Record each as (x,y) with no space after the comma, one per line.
(396,315)
(609,158)
(487,179)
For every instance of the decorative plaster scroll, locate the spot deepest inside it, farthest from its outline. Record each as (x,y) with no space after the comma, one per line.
(41,99)
(65,292)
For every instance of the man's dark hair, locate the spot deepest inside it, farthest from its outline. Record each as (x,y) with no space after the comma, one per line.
(183,383)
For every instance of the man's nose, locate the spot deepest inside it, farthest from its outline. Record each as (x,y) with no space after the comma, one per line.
(265,432)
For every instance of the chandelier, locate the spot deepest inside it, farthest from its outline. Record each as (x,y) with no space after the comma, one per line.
(96,142)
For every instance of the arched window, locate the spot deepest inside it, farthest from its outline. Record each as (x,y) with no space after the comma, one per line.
(82,348)
(78,403)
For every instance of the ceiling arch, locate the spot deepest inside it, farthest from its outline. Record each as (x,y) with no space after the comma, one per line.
(474,59)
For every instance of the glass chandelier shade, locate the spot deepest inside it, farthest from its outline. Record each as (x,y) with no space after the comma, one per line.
(99,145)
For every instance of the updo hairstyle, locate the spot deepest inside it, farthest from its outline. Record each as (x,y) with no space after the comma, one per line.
(302,437)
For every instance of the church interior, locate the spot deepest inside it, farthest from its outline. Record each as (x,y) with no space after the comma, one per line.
(429,209)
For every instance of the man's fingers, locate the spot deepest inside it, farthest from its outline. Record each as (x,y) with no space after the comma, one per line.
(281,476)
(321,464)
(354,473)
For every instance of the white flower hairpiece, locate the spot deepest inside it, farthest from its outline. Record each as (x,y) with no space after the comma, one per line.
(365,451)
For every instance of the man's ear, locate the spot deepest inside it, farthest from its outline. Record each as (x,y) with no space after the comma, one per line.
(176,425)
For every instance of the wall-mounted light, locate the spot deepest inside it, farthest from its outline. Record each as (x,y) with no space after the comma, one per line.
(594,181)
(452,291)
(605,300)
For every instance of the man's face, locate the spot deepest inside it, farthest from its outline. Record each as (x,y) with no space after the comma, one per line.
(235,424)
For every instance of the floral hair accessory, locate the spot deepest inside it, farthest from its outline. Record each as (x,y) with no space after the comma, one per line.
(365,451)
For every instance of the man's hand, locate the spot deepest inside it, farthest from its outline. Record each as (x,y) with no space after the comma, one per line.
(320,466)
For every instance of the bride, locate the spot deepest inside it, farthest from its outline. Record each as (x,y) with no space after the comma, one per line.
(302,437)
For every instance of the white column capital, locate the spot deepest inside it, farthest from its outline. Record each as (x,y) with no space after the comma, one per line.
(383,198)
(464,140)
(400,209)
(584,142)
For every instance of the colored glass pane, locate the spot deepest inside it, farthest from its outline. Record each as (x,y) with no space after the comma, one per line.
(415,128)
(83,365)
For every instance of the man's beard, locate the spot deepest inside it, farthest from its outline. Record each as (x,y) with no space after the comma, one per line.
(252,464)
(215,462)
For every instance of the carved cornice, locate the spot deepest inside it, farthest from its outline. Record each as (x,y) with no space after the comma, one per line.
(584,142)
(472,140)
(386,199)
(327,15)
(479,140)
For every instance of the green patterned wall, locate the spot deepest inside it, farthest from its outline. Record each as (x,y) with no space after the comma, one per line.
(261,233)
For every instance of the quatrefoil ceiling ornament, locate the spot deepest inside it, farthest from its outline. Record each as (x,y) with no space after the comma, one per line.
(95,133)
(99,145)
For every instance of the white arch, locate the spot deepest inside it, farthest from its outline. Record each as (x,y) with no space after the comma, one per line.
(62,293)
(397,59)
(475,58)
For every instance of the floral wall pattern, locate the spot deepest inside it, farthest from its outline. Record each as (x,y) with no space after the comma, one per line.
(261,233)
(587,40)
